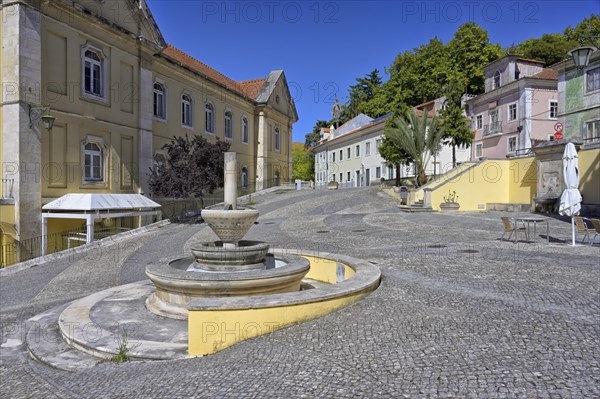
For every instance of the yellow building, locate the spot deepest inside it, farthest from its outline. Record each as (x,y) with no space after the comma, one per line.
(118,92)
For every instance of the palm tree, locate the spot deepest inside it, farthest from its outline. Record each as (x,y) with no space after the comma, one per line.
(420,137)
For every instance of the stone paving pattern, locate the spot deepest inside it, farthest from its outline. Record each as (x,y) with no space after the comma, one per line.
(478,318)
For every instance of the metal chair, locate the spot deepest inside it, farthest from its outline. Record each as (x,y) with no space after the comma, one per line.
(510,226)
(596,224)
(582,228)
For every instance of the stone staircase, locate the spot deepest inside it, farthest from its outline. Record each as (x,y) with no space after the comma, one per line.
(418,206)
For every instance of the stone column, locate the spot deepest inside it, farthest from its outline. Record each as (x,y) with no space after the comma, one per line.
(21,55)
(231,179)
(262,152)
(146,155)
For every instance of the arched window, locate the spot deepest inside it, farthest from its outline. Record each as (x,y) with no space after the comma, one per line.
(186,110)
(244,177)
(277,139)
(92,162)
(228,127)
(160,110)
(245,132)
(496,79)
(209,113)
(93,73)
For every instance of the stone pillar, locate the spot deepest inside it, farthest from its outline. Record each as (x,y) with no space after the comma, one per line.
(230,179)
(262,152)
(146,155)
(21,55)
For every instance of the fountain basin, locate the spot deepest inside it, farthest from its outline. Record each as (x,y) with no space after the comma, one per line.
(230,225)
(176,287)
(247,255)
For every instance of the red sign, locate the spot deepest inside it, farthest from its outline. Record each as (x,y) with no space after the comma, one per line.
(558,127)
(558,136)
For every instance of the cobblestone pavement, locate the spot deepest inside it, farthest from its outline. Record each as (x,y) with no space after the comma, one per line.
(459,314)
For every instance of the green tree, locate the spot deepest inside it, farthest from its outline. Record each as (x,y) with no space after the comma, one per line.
(468,51)
(454,123)
(394,155)
(192,168)
(303,162)
(586,33)
(362,93)
(312,138)
(419,137)
(550,48)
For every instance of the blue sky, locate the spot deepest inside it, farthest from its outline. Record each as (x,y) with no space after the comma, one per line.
(323,46)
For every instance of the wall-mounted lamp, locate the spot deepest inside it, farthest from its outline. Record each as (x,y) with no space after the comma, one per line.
(42,113)
(581,55)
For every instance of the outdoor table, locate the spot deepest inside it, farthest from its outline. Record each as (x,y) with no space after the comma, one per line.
(527,221)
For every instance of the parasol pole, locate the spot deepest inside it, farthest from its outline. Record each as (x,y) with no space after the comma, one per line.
(573,229)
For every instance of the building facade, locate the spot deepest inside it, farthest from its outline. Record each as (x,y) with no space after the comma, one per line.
(518,109)
(579,99)
(349,155)
(118,92)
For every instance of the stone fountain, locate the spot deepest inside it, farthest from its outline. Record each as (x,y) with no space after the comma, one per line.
(229,267)
(225,292)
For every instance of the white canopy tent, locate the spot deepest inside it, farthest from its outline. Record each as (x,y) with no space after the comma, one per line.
(95,206)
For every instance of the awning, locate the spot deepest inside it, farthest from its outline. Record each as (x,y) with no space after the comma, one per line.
(95,206)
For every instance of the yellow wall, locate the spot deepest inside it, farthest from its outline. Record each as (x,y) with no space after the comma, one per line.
(115,120)
(210,331)
(589,175)
(510,181)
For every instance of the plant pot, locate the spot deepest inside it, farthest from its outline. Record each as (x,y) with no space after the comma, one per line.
(449,206)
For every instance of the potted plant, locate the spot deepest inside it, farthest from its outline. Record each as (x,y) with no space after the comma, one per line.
(450,202)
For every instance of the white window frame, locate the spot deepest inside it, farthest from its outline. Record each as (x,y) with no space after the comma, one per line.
(550,103)
(378,144)
(595,135)
(596,70)
(479,122)
(341,155)
(187,110)
(349,175)
(245,130)
(209,115)
(508,114)
(159,113)
(245,178)
(102,70)
(357,150)
(332,156)
(102,155)
(478,150)
(277,140)
(228,121)
(508,140)
(496,80)
(550,137)
(378,172)
(490,113)
(367,148)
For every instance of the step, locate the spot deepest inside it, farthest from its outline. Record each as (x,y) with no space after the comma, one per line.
(46,344)
(415,209)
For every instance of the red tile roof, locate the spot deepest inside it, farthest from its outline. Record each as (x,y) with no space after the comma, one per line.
(547,73)
(251,88)
(247,88)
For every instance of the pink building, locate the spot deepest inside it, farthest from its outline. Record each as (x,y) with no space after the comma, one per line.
(518,109)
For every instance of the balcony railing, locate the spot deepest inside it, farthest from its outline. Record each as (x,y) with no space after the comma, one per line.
(492,128)
(7,189)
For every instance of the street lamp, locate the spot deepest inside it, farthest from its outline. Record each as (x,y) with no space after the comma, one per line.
(581,55)
(42,113)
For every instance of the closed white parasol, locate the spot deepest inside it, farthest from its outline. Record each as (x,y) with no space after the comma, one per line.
(570,200)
